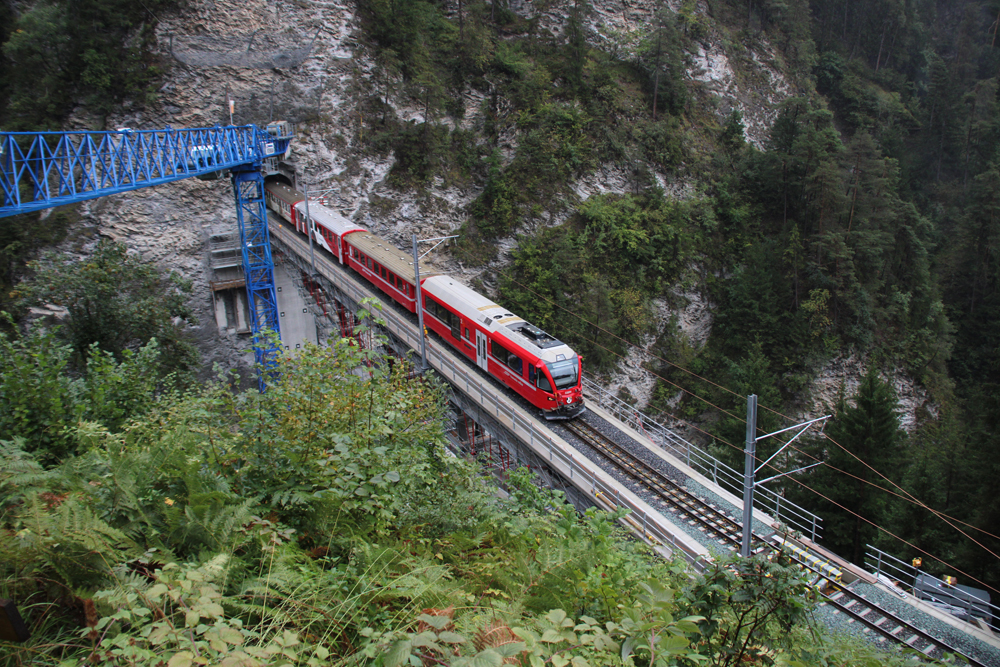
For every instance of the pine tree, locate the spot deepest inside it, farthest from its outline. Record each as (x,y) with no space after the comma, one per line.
(865,437)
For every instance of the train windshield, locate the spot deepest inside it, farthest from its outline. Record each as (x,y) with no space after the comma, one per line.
(564,373)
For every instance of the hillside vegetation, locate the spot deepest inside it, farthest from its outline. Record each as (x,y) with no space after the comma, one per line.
(863,226)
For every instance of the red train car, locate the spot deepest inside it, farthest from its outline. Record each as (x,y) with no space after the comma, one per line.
(543,370)
(330,226)
(385,266)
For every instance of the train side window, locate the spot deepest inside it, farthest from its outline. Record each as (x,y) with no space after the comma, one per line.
(515,362)
(507,357)
(384,276)
(435,309)
(531,373)
(467,335)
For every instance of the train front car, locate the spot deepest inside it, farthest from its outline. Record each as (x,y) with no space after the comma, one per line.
(545,371)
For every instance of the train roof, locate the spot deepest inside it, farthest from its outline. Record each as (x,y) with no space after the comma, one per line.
(388,255)
(286,194)
(475,306)
(328,218)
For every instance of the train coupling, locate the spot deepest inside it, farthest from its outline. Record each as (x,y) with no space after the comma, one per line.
(568,411)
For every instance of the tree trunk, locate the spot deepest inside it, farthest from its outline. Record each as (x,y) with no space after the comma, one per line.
(878,61)
(656,77)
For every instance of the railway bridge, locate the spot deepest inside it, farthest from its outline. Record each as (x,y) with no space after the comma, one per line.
(568,457)
(491,417)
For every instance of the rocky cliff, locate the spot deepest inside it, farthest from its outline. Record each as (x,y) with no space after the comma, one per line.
(302,60)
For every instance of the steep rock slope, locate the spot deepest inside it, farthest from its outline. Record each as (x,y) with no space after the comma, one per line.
(302,60)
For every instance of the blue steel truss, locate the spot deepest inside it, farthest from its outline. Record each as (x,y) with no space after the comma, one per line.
(255,243)
(44,169)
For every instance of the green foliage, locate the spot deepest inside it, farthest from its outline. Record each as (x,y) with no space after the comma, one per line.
(569,278)
(862,437)
(42,403)
(749,607)
(116,302)
(21,236)
(61,53)
(554,148)
(662,55)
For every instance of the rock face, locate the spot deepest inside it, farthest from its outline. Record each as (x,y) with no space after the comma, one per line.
(845,373)
(299,60)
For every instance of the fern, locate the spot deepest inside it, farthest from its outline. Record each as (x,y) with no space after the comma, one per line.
(20,471)
(210,521)
(68,544)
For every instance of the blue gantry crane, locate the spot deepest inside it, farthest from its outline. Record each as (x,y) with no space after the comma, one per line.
(40,170)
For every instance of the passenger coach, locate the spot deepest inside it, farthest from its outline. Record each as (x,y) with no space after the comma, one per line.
(543,370)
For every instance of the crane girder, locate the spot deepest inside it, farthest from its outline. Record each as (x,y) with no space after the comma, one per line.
(44,169)
(41,170)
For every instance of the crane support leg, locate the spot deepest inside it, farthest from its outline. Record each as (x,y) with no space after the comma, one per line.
(258,267)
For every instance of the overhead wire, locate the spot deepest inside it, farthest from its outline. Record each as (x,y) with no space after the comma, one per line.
(909,497)
(882,529)
(913,499)
(706,401)
(627,342)
(894,536)
(903,493)
(793,479)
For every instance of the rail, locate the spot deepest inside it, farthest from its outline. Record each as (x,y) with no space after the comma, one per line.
(932,590)
(585,476)
(765,499)
(695,510)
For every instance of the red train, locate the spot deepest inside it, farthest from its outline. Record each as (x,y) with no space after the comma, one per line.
(540,368)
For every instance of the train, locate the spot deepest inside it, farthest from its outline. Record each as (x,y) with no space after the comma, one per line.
(538,367)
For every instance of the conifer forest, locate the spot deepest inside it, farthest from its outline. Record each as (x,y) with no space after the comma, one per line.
(844,211)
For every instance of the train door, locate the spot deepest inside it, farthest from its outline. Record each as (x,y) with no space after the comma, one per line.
(481,350)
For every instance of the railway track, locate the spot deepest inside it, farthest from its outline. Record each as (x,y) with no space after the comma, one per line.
(889,626)
(728,531)
(695,511)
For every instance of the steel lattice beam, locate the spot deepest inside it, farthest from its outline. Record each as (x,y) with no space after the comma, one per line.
(40,170)
(44,169)
(255,244)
